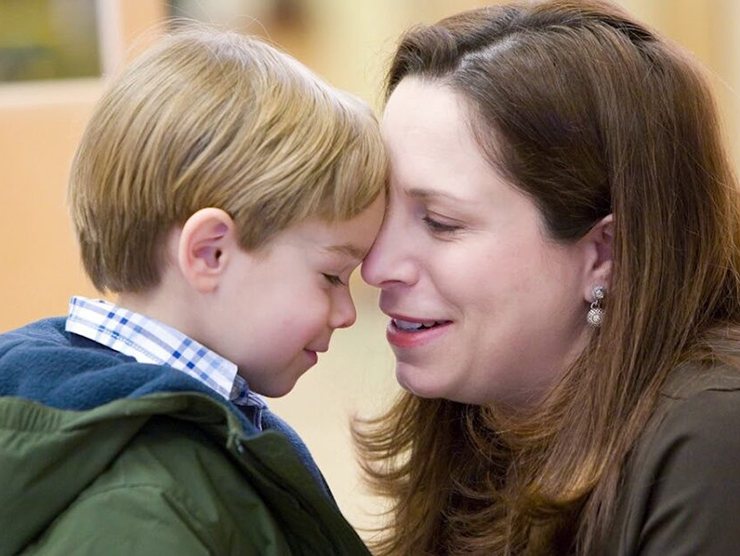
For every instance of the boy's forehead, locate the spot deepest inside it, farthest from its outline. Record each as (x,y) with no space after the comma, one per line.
(351,238)
(348,249)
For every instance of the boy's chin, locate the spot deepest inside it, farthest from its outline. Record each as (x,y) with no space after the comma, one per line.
(276,382)
(276,389)
(276,393)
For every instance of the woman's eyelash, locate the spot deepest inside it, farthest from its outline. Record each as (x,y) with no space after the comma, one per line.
(436,226)
(334,280)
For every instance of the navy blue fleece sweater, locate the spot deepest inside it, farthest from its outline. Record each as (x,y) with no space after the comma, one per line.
(44,363)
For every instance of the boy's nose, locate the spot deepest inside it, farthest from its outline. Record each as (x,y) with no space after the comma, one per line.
(344,313)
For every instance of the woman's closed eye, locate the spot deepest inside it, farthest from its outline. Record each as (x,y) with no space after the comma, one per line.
(439,227)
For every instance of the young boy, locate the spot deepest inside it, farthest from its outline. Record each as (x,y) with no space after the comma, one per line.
(225,194)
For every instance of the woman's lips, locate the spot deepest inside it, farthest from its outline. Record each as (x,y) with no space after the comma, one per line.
(414,338)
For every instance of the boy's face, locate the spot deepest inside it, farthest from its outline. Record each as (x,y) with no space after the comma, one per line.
(277,308)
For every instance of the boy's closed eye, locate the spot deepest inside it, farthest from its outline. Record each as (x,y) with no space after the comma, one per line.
(348,257)
(334,280)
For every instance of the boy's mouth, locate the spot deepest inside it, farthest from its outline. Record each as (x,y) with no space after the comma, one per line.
(312,355)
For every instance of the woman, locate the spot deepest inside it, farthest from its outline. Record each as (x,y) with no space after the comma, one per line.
(561,265)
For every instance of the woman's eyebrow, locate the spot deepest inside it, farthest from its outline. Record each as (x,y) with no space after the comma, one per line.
(427,194)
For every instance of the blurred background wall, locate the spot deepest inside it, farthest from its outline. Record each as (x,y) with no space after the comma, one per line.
(55,56)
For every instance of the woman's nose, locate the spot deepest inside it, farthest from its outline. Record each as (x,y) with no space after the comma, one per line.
(389,261)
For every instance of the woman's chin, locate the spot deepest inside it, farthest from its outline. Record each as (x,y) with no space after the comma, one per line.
(419,381)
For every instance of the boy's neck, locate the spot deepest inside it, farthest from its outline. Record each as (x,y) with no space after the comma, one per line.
(160,305)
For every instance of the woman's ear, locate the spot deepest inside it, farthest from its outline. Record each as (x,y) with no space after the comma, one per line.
(206,241)
(599,249)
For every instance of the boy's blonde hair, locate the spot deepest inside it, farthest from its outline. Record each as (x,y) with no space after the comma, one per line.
(215,119)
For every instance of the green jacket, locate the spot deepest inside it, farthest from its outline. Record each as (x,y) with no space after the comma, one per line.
(100,454)
(163,474)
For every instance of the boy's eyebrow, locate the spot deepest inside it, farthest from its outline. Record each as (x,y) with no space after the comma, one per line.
(348,249)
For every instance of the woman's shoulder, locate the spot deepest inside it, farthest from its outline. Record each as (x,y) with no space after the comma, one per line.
(700,409)
(701,400)
(681,486)
(698,412)
(692,379)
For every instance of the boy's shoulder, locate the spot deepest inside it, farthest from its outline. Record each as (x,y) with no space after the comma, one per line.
(43,362)
(134,446)
(47,332)
(177,460)
(169,471)
(44,340)
(40,357)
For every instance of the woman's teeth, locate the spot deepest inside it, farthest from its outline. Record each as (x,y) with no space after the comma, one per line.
(414,326)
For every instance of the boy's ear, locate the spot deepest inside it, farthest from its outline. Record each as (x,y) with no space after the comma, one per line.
(599,250)
(206,241)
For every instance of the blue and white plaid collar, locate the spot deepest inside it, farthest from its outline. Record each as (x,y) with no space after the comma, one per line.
(150,341)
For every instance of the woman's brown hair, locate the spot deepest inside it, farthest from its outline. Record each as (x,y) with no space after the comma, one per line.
(589,113)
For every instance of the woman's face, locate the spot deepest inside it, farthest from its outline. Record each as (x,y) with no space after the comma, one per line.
(484,307)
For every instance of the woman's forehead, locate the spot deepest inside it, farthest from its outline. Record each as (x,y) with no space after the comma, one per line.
(420,108)
(431,147)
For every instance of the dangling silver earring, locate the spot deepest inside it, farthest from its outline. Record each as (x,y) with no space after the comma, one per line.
(596,313)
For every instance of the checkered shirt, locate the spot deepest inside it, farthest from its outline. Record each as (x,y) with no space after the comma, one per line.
(150,341)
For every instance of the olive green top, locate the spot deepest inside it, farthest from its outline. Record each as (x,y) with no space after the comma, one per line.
(681,489)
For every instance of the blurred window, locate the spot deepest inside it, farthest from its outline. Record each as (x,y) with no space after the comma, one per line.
(48,39)
(254,16)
